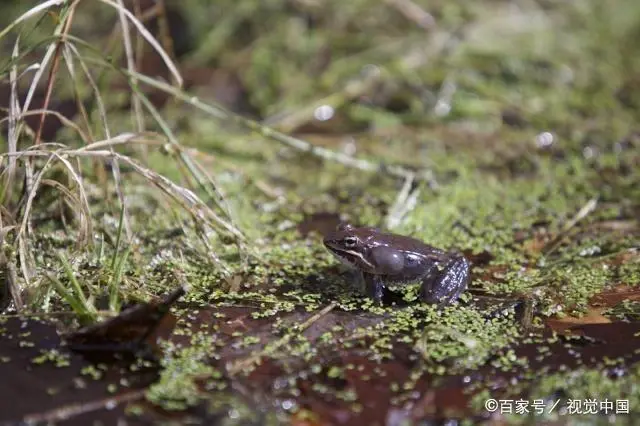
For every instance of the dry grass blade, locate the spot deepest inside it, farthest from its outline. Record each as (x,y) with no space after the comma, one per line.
(200,175)
(44,63)
(123,139)
(115,169)
(54,68)
(183,196)
(267,132)
(150,39)
(31,13)
(102,111)
(77,206)
(14,113)
(68,60)
(196,171)
(103,115)
(131,65)
(25,231)
(83,201)
(26,262)
(63,119)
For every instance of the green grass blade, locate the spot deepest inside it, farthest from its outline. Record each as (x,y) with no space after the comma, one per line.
(116,278)
(114,259)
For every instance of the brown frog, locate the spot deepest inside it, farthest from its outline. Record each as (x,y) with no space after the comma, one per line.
(384,258)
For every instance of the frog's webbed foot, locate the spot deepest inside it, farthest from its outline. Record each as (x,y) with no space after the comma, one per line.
(447,283)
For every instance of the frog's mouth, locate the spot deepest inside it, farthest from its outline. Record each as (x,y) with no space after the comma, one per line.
(351,258)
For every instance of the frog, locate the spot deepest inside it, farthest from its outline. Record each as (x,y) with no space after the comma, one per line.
(384,258)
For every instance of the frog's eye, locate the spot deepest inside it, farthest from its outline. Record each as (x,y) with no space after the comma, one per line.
(350,242)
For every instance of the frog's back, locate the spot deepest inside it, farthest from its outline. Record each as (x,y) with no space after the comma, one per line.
(407,245)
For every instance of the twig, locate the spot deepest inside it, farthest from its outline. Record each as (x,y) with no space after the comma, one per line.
(66,412)
(589,207)
(405,202)
(246,363)
(53,314)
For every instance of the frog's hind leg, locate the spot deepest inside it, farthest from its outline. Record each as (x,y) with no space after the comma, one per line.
(447,283)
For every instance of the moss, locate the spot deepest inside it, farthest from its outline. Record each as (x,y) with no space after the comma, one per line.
(627,310)
(481,212)
(92,372)
(590,384)
(53,356)
(464,338)
(531,134)
(629,272)
(177,388)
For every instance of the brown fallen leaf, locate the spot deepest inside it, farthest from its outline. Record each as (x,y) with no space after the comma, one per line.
(593,316)
(615,295)
(134,331)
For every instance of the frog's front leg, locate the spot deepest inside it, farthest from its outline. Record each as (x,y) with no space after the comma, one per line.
(447,282)
(374,286)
